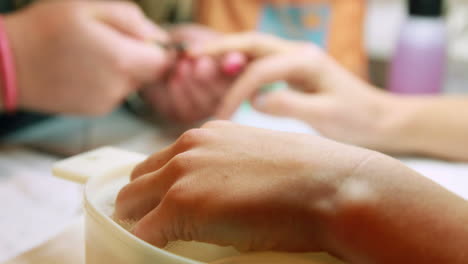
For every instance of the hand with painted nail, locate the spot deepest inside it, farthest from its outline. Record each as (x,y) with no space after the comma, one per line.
(338,104)
(195,86)
(325,95)
(83,57)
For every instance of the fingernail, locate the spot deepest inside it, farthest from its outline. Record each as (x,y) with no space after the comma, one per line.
(233,64)
(232,69)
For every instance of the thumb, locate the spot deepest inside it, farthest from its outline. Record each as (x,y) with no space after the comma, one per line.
(290,103)
(149,63)
(130,20)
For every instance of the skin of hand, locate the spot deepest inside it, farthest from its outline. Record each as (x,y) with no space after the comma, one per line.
(83,57)
(340,105)
(196,86)
(326,95)
(261,190)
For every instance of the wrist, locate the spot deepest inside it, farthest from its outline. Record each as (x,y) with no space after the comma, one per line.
(383,210)
(398,126)
(348,187)
(376,119)
(351,210)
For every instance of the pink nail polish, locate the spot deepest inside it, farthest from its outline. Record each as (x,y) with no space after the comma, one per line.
(232,69)
(234,64)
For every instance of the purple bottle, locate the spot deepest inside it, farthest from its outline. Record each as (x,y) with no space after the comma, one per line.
(418,65)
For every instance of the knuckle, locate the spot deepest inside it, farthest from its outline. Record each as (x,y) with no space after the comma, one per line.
(180,164)
(278,100)
(193,138)
(137,171)
(216,124)
(180,194)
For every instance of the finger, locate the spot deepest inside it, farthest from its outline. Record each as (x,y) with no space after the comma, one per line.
(187,141)
(155,227)
(205,75)
(205,69)
(233,63)
(198,110)
(192,90)
(154,163)
(129,19)
(290,103)
(138,198)
(195,92)
(156,95)
(182,106)
(192,34)
(254,45)
(174,218)
(208,74)
(144,194)
(169,104)
(147,63)
(258,74)
(215,84)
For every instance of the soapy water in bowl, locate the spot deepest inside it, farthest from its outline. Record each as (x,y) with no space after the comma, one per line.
(201,251)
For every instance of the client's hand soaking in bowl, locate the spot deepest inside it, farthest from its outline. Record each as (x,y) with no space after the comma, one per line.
(105,171)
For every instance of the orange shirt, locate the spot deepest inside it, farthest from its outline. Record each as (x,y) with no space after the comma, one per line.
(336,25)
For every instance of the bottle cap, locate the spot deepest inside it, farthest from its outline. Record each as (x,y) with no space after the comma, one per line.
(428,8)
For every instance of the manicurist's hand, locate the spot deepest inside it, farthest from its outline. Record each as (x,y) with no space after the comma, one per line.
(83,57)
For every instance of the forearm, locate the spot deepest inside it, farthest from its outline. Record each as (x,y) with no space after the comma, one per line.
(429,126)
(387,213)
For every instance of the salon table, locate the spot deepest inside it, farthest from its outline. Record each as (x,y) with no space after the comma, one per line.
(41,215)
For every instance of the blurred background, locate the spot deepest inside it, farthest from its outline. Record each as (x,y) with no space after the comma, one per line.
(384,20)
(383,24)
